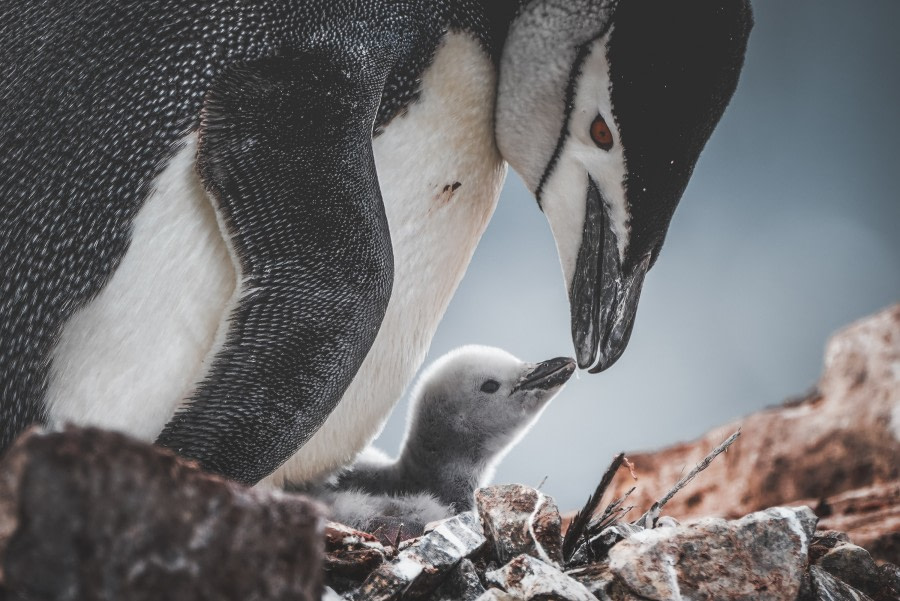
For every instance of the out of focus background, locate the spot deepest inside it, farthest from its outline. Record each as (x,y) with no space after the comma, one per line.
(789,230)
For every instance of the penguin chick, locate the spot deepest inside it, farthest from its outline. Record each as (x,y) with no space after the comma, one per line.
(467,410)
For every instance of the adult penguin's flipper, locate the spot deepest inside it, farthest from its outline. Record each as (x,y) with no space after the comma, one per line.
(286,154)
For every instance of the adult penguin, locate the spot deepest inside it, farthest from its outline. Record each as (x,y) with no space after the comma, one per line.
(233,226)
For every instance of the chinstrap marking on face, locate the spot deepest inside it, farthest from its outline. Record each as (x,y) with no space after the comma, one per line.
(645,83)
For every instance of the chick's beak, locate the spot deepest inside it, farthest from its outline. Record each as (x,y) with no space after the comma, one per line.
(548,374)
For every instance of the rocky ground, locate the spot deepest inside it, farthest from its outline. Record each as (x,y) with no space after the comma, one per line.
(836,449)
(86,514)
(511,549)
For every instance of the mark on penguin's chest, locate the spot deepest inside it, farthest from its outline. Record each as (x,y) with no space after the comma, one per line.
(445,195)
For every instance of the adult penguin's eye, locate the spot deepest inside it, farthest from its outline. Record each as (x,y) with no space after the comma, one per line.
(490,386)
(601,134)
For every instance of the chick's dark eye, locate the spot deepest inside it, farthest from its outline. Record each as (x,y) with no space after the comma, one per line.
(601,134)
(490,387)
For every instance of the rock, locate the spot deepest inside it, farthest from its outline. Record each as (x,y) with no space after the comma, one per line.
(761,557)
(420,567)
(667,521)
(330,594)
(596,578)
(828,588)
(854,566)
(350,556)
(825,540)
(338,535)
(603,542)
(89,514)
(348,568)
(496,594)
(889,576)
(463,584)
(843,437)
(518,519)
(528,578)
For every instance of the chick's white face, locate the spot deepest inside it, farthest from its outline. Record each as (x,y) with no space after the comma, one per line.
(484,395)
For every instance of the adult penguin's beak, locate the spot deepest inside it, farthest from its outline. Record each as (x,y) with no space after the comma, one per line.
(603,295)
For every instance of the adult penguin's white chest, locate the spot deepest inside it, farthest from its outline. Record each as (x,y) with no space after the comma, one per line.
(129,358)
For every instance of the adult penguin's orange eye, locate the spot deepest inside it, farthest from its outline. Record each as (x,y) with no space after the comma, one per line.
(600,133)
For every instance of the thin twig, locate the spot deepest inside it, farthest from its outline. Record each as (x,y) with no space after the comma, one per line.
(614,518)
(399,534)
(615,505)
(582,518)
(648,520)
(379,532)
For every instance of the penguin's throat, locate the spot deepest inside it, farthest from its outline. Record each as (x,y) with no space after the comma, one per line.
(437,463)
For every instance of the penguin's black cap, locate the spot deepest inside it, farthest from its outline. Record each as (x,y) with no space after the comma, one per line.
(674,66)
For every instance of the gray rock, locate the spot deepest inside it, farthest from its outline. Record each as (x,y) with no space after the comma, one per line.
(854,566)
(828,588)
(330,594)
(667,521)
(90,515)
(596,578)
(496,594)
(462,584)
(889,575)
(518,519)
(823,541)
(761,557)
(609,537)
(528,578)
(420,567)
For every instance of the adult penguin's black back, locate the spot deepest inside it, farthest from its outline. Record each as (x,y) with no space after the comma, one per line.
(98,96)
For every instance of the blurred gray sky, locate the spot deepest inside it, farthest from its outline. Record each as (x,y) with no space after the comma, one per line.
(788,230)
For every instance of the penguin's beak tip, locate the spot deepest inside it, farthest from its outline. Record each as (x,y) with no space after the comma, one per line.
(607,360)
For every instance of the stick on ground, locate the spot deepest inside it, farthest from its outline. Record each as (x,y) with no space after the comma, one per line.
(648,520)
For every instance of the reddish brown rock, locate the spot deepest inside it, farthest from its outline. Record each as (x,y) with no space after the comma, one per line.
(425,562)
(88,514)
(518,519)
(844,437)
(350,556)
(596,578)
(528,578)
(761,557)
